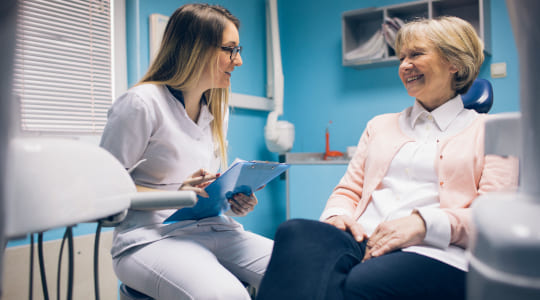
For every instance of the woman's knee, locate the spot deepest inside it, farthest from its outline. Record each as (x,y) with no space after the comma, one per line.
(295,225)
(301,234)
(298,228)
(288,230)
(130,273)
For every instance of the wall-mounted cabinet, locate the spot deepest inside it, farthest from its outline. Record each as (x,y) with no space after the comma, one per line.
(367,34)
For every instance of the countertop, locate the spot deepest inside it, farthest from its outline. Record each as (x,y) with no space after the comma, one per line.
(314,158)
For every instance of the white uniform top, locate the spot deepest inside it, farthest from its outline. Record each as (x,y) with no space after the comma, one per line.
(149,122)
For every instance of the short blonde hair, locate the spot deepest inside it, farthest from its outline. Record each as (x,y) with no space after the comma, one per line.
(455,40)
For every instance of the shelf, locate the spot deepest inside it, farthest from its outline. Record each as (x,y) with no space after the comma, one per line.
(361,43)
(372,63)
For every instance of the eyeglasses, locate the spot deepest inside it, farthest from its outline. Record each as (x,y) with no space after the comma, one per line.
(233,50)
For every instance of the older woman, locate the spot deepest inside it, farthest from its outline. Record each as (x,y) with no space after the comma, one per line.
(397,224)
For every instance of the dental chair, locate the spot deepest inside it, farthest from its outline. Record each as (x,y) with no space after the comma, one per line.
(479,96)
(60,182)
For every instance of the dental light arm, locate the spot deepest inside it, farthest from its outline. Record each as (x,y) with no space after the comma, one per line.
(279,135)
(162,200)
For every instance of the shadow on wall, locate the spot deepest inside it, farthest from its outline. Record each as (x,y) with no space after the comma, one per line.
(379,79)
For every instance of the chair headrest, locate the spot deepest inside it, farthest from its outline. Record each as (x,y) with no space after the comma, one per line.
(479,97)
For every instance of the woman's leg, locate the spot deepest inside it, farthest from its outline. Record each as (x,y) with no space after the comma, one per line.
(178,268)
(310,260)
(405,275)
(243,253)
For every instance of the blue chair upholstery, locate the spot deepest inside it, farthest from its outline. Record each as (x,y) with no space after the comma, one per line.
(479,97)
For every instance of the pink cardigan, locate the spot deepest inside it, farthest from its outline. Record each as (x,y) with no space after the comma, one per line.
(464,171)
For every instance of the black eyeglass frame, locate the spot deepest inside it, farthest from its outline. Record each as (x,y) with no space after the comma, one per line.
(233,50)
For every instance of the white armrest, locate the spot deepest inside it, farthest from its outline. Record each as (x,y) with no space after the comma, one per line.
(162,200)
(153,201)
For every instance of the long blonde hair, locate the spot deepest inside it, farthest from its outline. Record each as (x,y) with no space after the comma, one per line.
(455,40)
(191,43)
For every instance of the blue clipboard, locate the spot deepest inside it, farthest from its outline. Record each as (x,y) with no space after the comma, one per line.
(242,177)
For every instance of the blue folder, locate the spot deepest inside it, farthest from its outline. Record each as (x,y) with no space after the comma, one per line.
(242,177)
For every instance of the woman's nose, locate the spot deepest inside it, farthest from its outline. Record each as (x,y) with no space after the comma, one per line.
(238,60)
(405,64)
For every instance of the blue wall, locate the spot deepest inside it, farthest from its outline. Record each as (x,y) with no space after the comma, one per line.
(249,79)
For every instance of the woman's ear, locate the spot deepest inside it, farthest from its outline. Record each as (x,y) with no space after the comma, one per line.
(453,69)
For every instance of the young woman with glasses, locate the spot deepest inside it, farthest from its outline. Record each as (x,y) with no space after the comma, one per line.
(176,118)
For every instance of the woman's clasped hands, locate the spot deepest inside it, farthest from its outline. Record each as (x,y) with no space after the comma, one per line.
(388,236)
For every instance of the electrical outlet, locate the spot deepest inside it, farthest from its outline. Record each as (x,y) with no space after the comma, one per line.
(498,70)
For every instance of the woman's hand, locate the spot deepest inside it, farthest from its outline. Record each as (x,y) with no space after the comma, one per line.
(347,223)
(242,204)
(396,234)
(198,181)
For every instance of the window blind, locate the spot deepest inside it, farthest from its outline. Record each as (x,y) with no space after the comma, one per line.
(63,69)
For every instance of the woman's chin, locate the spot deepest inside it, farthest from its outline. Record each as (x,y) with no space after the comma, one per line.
(412,93)
(224,84)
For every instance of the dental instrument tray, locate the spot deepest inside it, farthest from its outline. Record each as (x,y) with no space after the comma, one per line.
(242,177)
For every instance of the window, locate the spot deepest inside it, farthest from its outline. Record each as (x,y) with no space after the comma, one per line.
(63,71)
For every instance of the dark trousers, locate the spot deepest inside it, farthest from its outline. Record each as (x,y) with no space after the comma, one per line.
(313,260)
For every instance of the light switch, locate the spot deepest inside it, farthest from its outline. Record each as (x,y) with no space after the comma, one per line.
(498,70)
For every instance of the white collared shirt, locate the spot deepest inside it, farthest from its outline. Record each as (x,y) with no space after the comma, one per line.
(411,182)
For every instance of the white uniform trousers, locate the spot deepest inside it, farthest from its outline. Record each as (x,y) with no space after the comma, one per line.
(203,261)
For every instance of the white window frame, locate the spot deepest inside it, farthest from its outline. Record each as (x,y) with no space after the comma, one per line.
(119,47)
